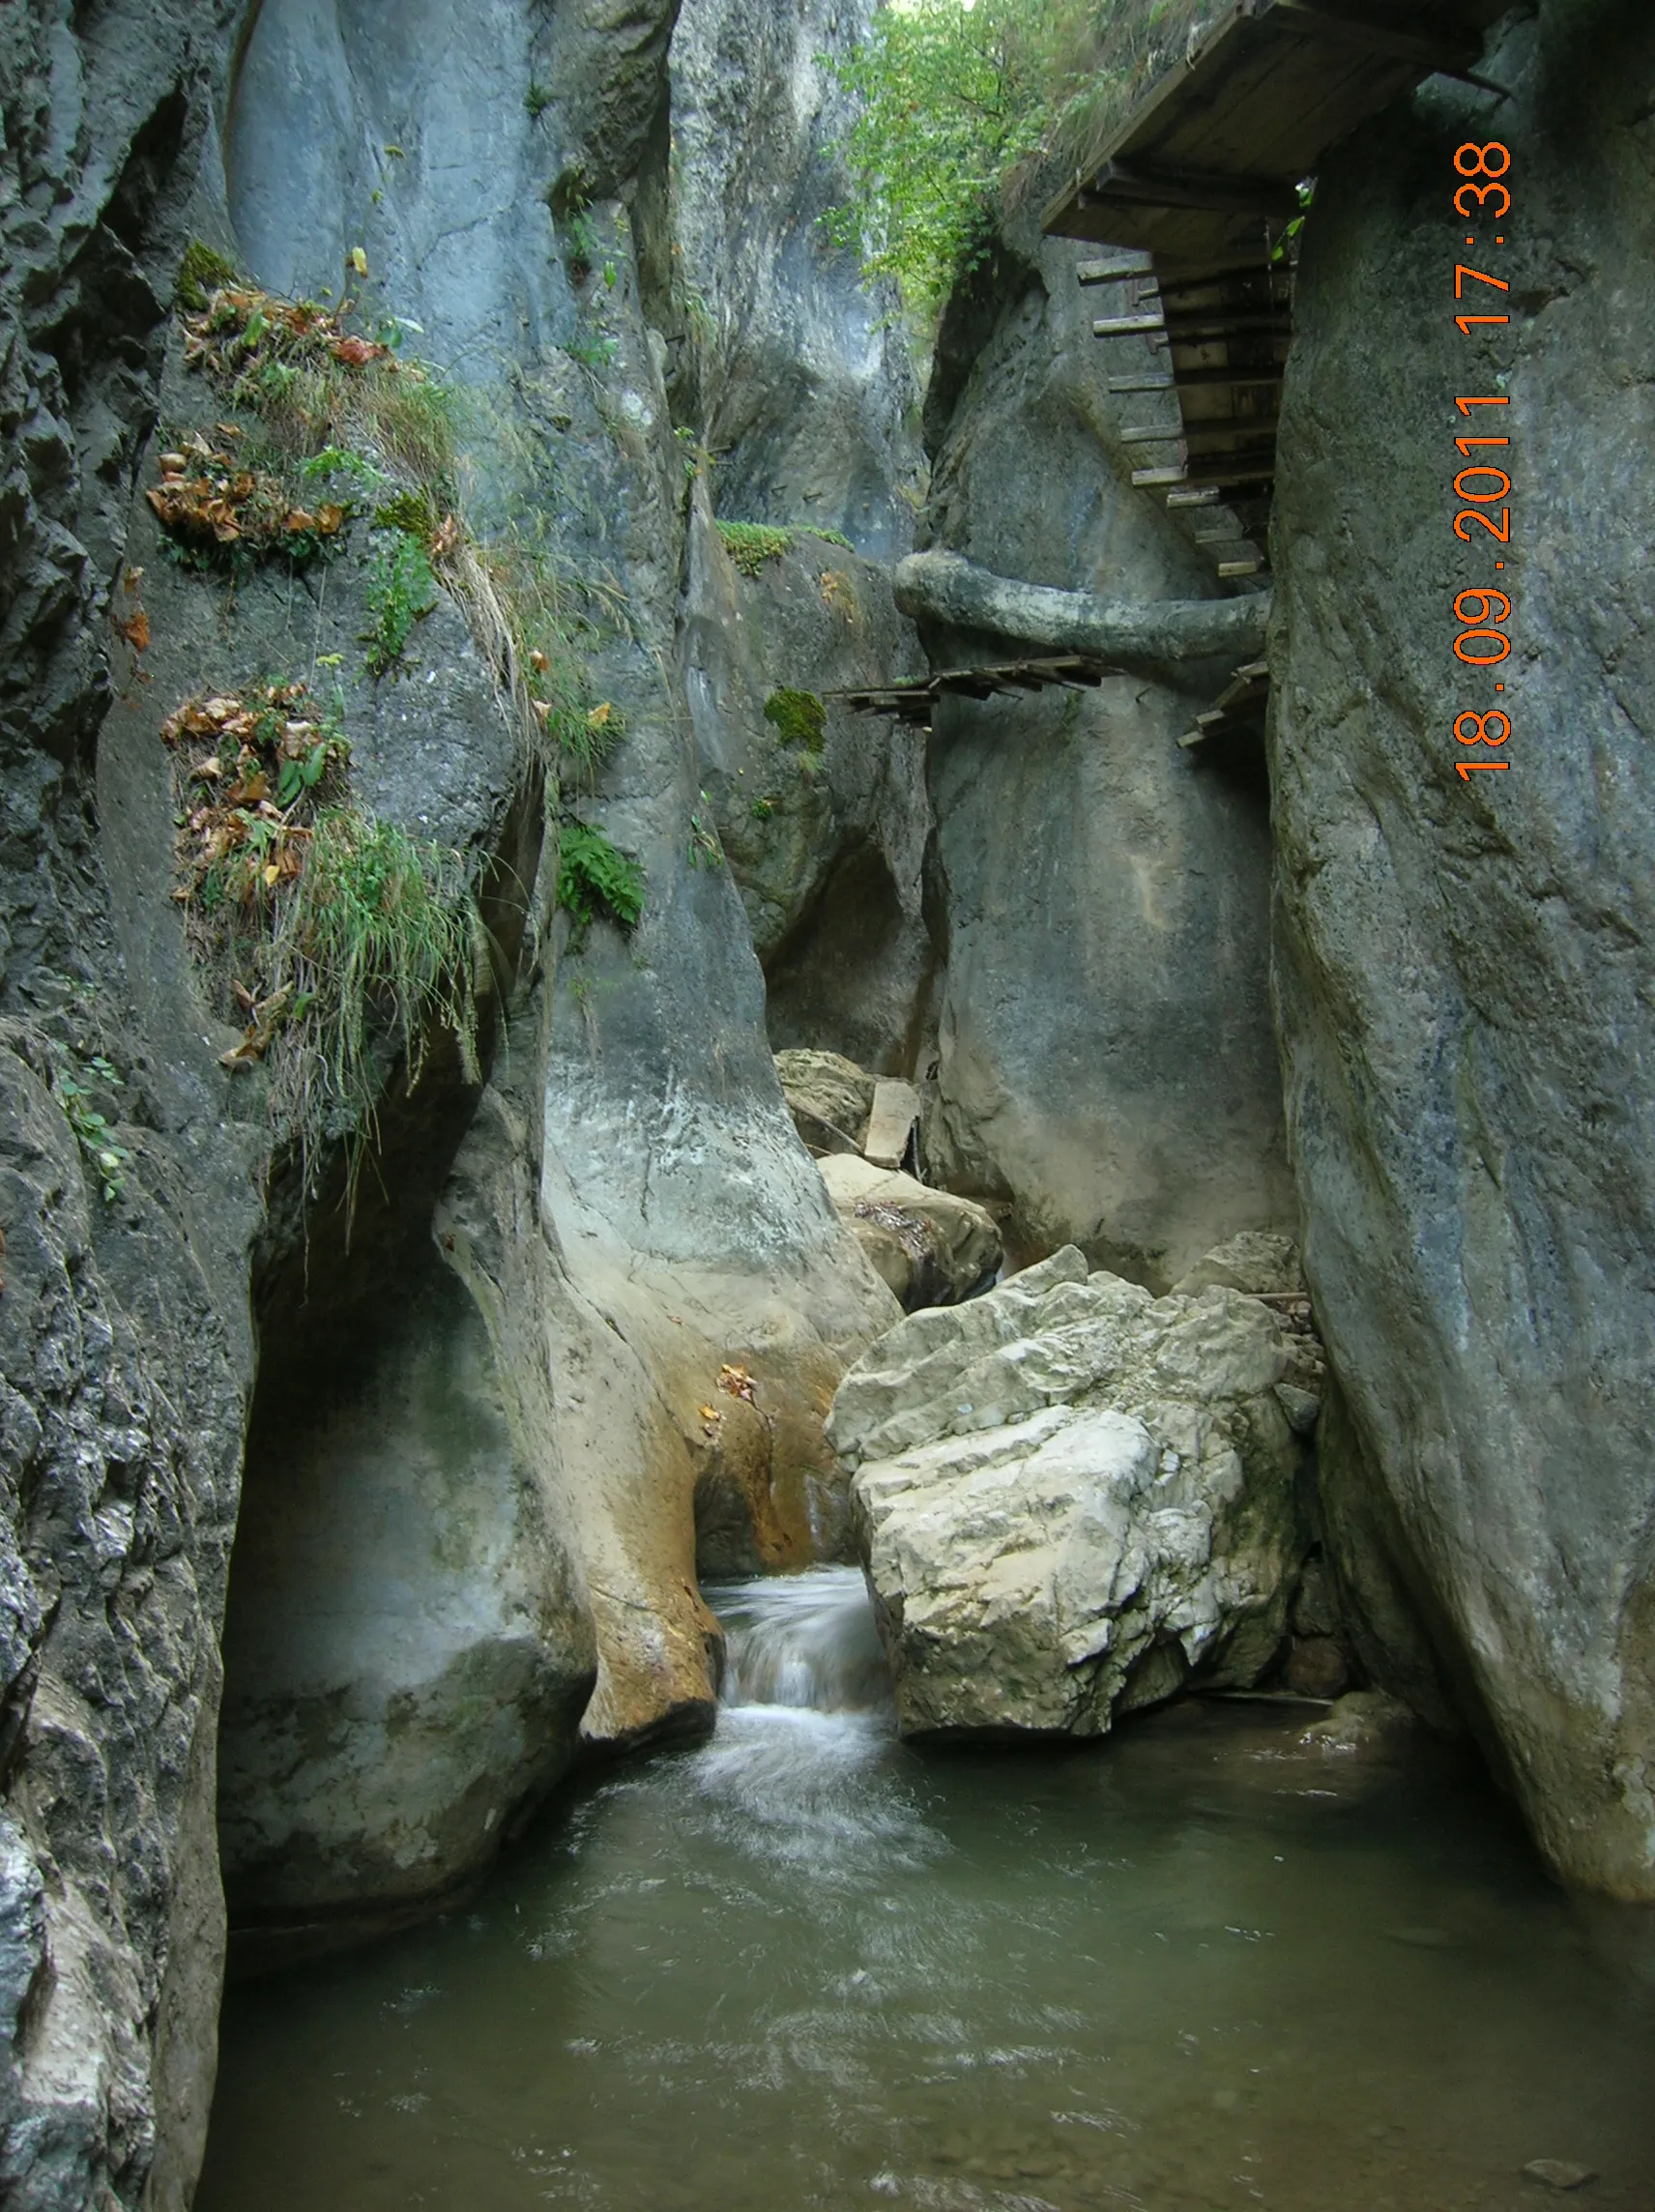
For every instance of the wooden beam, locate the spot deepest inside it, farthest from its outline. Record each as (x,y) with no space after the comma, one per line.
(1199,189)
(1206,379)
(1439,56)
(1197,495)
(1194,328)
(1111,272)
(1126,325)
(1144,382)
(1147,434)
(1152,477)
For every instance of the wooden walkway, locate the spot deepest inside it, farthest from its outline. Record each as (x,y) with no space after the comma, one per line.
(1199,185)
(915,702)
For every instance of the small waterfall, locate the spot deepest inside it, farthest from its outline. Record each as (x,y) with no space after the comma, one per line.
(808,1641)
(798,1769)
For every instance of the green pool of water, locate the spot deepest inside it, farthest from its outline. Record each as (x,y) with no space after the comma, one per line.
(1201,1965)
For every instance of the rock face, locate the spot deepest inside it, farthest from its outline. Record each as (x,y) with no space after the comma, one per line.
(1464,966)
(792,368)
(1071,1499)
(930,1247)
(407,1632)
(124,1350)
(472,1464)
(823,824)
(1104,1052)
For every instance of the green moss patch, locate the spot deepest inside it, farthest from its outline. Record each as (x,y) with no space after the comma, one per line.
(797,717)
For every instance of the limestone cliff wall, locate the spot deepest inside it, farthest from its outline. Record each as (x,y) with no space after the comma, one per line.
(472,1439)
(1464,966)
(1104,1058)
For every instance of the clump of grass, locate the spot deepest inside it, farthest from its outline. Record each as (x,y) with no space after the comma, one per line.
(750,544)
(530,614)
(401,589)
(341,940)
(319,383)
(379,946)
(797,717)
(596,879)
(538,97)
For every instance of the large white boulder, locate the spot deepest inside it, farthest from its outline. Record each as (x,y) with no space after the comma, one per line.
(1073,1498)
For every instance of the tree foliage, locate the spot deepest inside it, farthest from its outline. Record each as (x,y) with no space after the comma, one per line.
(953,98)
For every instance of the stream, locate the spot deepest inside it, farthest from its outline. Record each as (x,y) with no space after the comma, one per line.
(803,1965)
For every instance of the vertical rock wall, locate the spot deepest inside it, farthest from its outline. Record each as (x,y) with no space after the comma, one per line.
(1463,967)
(1105,1059)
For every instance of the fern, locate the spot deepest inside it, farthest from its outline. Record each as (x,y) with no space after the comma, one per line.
(595,879)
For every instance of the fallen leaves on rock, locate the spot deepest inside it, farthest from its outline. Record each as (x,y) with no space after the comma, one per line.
(206,497)
(253,767)
(240,323)
(736,1382)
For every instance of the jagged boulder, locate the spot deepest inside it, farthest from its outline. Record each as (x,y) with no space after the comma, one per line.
(828,1096)
(1071,1499)
(1257,1261)
(930,1246)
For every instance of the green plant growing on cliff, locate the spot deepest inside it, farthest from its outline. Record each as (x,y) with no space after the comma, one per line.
(92,1128)
(401,589)
(319,383)
(378,947)
(341,940)
(201,272)
(750,544)
(705,849)
(533,613)
(797,717)
(537,98)
(596,879)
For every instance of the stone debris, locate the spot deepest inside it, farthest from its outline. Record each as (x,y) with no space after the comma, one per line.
(891,1125)
(1559,2172)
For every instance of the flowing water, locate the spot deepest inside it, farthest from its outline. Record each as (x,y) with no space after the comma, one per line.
(803,1965)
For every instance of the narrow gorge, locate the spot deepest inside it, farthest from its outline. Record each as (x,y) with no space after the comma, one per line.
(824,1344)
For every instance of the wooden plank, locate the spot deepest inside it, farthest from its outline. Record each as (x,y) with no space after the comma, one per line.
(1112,271)
(1152,477)
(1148,380)
(895,1110)
(1124,326)
(1149,434)
(1434,56)
(1197,495)
(1249,567)
(1198,379)
(1206,190)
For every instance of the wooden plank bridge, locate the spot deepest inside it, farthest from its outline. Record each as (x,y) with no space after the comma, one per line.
(915,702)
(1198,186)
(1194,194)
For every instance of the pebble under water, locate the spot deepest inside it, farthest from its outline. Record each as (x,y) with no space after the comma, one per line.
(803,1965)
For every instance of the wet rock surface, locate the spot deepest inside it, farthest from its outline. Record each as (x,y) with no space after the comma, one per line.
(1072,1499)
